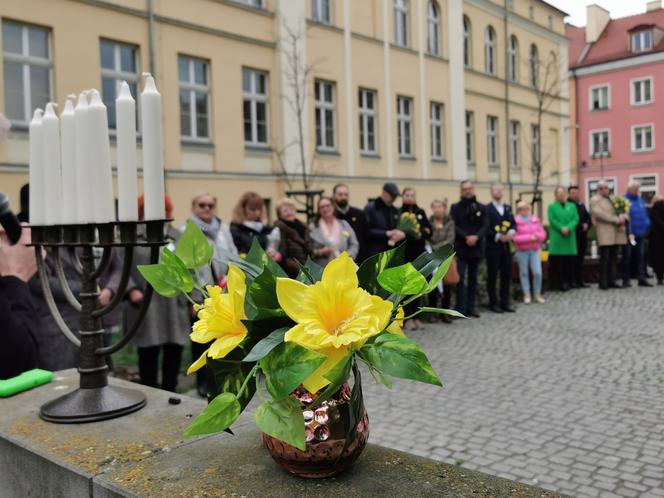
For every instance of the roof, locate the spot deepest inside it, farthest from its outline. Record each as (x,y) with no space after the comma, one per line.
(613,44)
(550,5)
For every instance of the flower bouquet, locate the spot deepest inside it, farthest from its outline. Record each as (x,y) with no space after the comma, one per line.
(409,225)
(503,228)
(620,205)
(295,342)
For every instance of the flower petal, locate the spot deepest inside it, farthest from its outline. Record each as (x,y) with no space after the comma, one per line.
(200,362)
(292,296)
(315,382)
(224,345)
(341,271)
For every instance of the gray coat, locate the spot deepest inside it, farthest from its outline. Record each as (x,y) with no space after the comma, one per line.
(442,235)
(348,242)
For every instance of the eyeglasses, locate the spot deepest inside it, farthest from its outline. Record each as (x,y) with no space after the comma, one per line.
(204,205)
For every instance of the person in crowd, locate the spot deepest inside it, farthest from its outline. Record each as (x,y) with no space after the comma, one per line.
(415,243)
(330,236)
(18,312)
(656,238)
(528,240)
(470,225)
(382,219)
(498,251)
(634,254)
(24,200)
(611,233)
(563,219)
(166,325)
(249,222)
(294,237)
(442,233)
(353,216)
(585,222)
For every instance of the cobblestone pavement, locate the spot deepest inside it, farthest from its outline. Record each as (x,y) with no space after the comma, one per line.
(568,395)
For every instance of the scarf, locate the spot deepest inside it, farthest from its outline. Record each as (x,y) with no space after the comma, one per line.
(331,232)
(256,226)
(297,226)
(211,229)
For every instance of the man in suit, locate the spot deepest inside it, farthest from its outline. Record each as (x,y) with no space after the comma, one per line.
(585,222)
(500,233)
(382,219)
(354,217)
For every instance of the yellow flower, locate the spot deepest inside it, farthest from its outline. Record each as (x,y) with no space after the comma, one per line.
(396,327)
(220,319)
(497,228)
(332,316)
(506,223)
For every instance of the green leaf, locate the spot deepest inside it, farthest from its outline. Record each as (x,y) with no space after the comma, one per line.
(368,272)
(426,263)
(440,273)
(441,311)
(164,279)
(186,281)
(219,415)
(287,366)
(337,376)
(263,291)
(193,247)
(399,357)
(258,257)
(282,419)
(403,280)
(228,257)
(356,407)
(228,376)
(264,346)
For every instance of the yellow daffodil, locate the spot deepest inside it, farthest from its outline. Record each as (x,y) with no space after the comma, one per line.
(396,327)
(332,316)
(220,319)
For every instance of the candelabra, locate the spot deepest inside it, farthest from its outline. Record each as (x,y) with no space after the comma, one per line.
(94,400)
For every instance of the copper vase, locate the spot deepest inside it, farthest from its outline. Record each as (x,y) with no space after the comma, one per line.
(325,433)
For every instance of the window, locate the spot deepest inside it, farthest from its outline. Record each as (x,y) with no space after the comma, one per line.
(591,186)
(405,126)
(466,42)
(599,98)
(510,4)
(642,41)
(533,64)
(436,115)
(489,50)
(259,4)
(27,69)
(531,12)
(649,186)
(194,98)
(492,140)
(470,139)
(368,100)
(513,59)
(535,149)
(118,64)
(401,23)
(433,27)
(641,91)
(643,138)
(325,115)
(550,21)
(599,143)
(515,131)
(254,93)
(320,11)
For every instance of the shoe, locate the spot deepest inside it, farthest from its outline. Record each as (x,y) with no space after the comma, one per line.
(626,285)
(446,319)
(583,286)
(508,309)
(540,299)
(526,299)
(564,288)
(603,287)
(644,283)
(575,286)
(495,309)
(474,314)
(614,285)
(660,282)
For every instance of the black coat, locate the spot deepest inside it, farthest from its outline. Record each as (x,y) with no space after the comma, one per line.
(358,222)
(656,242)
(415,245)
(470,218)
(243,236)
(20,325)
(380,218)
(495,219)
(584,217)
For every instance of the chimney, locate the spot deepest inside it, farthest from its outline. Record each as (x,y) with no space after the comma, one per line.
(596,20)
(654,5)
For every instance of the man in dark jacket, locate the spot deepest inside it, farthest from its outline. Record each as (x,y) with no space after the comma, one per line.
(500,232)
(585,222)
(354,217)
(382,218)
(470,225)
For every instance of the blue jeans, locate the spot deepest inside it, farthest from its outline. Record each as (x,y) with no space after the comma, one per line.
(530,260)
(466,293)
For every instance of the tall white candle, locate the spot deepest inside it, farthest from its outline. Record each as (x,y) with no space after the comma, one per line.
(125,110)
(102,181)
(68,161)
(36,170)
(83,162)
(52,170)
(153,155)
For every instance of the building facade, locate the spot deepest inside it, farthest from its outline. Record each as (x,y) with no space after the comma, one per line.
(617,67)
(424,93)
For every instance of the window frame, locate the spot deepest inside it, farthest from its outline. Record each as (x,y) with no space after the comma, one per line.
(254,4)
(119,76)
(469,124)
(193,88)
(321,108)
(405,138)
(367,114)
(632,91)
(647,189)
(400,11)
(433,28)
(513,59)
(255,99)
(641,36)
(535,144)
(642,126)
(321,11)
(490,54)
(514,142)
(611,180)
(591,141)
(492,153)
(467,43)
(593,88)
(437,130)
(533,66)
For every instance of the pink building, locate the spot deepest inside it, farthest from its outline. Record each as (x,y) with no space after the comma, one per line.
(617,76)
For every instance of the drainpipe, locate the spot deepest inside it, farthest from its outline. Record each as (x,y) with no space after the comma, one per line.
(507,107)
(151,42)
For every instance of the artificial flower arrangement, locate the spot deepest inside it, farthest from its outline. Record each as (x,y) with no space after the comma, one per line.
(271,333)
(620,205)
(408,224)
(503,228)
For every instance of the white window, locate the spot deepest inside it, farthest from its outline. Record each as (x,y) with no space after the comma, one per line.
(27,69)
(535,145)
(466,42)
(515,132)
(436,112)
(599,143)
(368,117)
(194,98)
(492,140)
(599,98)
(259,4)
(533,64)
(254,94)
(641,41)
(642,91)
(489,50)
(470,137)
(433,27)
(325,115)
(320,11)
(401,23)
(643,138)
(591,186)
(513,59)
(405,126)
(649,186)
(118,63)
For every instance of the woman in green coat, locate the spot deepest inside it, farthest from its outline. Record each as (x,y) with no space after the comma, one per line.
(563,219)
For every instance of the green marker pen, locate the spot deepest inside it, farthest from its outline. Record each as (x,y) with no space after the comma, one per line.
(25,381)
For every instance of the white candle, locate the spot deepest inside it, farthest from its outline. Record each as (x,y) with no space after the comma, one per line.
(125,110)
(68,161)
(83,162)
(153,155)
(36,170)
(52,170)
(102,181)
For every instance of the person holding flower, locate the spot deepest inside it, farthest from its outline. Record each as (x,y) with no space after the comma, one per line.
(563,219)
(528,239)
(382,218)
(330,236)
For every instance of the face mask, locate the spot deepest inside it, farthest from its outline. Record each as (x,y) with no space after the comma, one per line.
(342,203)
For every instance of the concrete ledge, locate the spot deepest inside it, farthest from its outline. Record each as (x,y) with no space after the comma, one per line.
(143,454)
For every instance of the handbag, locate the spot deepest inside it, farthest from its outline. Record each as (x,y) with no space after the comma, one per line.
(452,275)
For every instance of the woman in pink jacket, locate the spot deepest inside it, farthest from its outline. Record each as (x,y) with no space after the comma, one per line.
(528,239)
